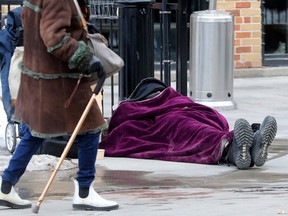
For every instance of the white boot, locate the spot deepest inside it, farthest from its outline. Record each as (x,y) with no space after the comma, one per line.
(93,201)
(12,199)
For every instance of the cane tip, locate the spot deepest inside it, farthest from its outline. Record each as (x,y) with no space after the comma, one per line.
(35,209)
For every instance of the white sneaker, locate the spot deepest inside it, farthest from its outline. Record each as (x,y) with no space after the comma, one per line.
(94,202)
(12,199)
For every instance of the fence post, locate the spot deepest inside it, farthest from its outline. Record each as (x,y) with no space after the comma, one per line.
(182,51)
(135,43)
(165,42)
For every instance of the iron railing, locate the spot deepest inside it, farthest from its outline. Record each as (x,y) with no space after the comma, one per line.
(171,21)
(8,4)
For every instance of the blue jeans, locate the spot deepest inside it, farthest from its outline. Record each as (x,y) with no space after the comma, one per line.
(87,152)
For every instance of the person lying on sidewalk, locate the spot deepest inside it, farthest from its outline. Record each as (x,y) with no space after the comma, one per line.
(156,122)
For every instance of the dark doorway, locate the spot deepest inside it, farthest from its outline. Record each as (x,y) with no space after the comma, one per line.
(275,32)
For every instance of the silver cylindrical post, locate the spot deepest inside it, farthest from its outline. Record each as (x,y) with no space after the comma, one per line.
(212,4)
(211,58)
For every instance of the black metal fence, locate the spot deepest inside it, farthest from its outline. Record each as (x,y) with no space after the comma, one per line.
(8,4)
(170,40)
(170,21)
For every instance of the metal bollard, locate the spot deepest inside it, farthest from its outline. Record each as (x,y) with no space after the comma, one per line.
(212,57)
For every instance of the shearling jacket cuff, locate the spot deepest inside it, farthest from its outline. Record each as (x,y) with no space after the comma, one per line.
(81,58)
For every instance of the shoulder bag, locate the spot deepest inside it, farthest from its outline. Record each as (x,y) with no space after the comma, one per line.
(112,62)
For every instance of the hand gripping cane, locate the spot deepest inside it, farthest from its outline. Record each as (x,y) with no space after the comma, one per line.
(71,140)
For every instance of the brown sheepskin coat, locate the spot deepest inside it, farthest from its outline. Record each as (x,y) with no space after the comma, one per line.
(54,56)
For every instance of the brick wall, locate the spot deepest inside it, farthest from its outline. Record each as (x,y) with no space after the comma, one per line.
(248,33)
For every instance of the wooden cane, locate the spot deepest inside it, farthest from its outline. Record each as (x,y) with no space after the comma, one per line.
(70,142)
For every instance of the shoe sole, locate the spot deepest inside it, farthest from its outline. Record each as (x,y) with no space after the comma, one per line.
(14,206)
(268,130)
(82,207)
(244,139)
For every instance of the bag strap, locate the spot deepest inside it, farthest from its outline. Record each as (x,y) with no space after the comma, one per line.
(102,78)
(83,21)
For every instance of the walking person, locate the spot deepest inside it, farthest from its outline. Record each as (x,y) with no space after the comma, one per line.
(55,56)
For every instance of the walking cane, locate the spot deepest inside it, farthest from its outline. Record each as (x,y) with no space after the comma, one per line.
(71,140)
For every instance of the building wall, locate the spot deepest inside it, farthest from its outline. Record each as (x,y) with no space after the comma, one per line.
(248,31)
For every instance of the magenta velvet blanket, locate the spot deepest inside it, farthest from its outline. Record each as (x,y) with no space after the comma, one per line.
(168,127)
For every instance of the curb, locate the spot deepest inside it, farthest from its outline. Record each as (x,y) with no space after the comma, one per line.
(260,72)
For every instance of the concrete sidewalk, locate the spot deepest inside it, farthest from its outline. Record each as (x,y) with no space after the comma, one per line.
(151,187)
(146,187)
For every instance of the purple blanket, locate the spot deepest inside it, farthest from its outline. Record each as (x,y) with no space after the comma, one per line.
(168,127)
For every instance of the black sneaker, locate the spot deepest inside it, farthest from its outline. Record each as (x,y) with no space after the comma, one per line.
(239,153)
(262,140)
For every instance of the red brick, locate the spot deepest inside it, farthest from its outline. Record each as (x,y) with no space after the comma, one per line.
(243,4)
(246,49)
(237,27)
(236,57)
(243,64)
(238,19)
(243,34)
(247,19)
(236,43)
(234,12)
